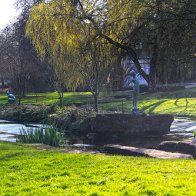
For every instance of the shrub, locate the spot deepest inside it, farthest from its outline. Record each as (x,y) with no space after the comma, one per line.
(68,117)
(52,136)
(26,113)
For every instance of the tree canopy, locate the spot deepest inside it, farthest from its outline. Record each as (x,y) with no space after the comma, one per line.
(59,29)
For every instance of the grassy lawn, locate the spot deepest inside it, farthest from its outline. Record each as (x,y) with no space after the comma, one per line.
(3,99)
(179,103)
(26,171)
(52,98)
(178,107)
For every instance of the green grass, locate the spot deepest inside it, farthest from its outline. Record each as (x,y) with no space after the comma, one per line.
(178,107)
(3,99)
(179,103)
(26,171)
(52,98)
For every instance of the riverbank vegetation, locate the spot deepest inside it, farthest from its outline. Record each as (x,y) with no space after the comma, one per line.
(27,171)
(49,135)
(77,117)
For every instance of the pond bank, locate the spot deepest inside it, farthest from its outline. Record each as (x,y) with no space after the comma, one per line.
(72,120)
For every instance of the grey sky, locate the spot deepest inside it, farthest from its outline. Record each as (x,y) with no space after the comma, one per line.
(7,12)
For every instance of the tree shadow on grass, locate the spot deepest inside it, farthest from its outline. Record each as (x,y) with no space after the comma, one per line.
(186,103)
(11,155)
(153,106)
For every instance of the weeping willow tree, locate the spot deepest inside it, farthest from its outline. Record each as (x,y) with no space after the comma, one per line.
(95,64)
(59,26)
(59,29)
(59,32)
(117,23)
(52,29)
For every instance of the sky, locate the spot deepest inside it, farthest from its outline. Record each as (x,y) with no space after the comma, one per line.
(7,12)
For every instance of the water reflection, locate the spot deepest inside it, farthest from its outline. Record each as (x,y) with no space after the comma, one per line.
(9,131)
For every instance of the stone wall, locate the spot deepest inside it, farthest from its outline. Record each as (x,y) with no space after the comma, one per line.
(132,124)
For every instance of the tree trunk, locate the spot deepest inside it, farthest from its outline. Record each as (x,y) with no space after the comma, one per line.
(96,102)
(135,60)
(61,96)
(96,75)
(19,100)
(153,65)
(3,83)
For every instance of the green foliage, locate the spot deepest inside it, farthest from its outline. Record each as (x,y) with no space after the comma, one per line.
(71,117)
(194,134)
(46,135)
(26,171)
(52,136)
(71,44)
(25,113)
(58,37)
(31,135)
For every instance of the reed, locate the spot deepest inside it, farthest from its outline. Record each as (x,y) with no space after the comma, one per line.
(47,135)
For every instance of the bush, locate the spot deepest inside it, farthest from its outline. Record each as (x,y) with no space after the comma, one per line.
(26,113)
(68,118)
(50,136)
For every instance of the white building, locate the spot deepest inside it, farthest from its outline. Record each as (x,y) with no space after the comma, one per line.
(128,65)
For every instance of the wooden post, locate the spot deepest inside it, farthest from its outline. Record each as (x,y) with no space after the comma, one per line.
(122,106)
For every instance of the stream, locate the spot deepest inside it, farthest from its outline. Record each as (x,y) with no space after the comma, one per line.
(10,130)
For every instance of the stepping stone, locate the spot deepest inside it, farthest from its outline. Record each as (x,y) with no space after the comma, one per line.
(133,151)
(181,147)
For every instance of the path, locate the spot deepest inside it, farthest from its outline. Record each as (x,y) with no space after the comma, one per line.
(190,85)
(183,127)
(133,151)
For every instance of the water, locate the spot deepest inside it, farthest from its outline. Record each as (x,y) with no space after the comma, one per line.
(10,130)
(182,128)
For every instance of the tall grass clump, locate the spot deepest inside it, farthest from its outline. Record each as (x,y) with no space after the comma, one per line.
(194,134)
(52,136)
(46,135)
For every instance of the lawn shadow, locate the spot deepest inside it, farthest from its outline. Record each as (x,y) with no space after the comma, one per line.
(11,155)
(177,105)
(77,100)
(153,106)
